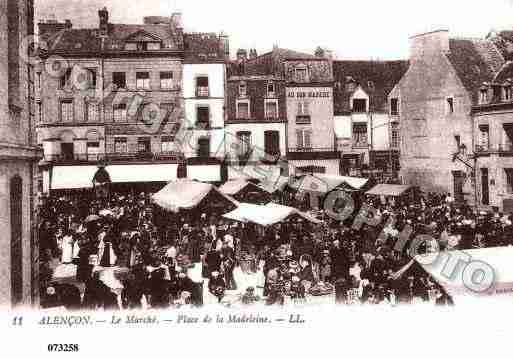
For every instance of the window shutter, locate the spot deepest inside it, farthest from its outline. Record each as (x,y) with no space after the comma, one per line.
(299,134)
(308,139)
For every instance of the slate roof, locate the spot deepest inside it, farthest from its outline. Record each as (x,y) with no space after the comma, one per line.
(376,78)
(203,47)
(475,61)
(505,73)
(270,63)
(88,40)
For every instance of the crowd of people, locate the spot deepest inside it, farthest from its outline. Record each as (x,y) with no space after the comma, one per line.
(154,255)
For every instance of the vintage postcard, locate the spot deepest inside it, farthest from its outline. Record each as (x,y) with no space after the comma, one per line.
(191,176)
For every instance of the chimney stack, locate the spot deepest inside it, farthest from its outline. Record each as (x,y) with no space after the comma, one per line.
(176,20)
(103,14)
(428,44)
(224,44)
(242,55)
(253,54)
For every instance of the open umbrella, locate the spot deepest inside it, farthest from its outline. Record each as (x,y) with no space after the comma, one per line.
(92,218)
(106,212)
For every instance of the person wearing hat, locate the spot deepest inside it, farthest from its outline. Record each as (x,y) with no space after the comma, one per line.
(339,260)
(249,297)
(325,266)
(297,290)
(217,285)
(213,261)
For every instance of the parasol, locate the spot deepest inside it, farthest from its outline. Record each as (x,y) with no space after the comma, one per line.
(92,218)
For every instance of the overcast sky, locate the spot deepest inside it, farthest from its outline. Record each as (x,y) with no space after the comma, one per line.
(353,29)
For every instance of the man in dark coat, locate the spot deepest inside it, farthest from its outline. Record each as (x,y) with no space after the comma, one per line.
(339,261)
(217,285)
(213,261)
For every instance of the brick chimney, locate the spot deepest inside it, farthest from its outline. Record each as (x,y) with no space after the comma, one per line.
(224,44)
(253,54)
(242,55)
(428,44)
(176,20)
(103,15)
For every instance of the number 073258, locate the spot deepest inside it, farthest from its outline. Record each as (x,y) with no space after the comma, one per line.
(63,347)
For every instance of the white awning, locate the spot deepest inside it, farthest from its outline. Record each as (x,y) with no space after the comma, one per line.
(142,173)
(204,173)
(449,271)
(73,177)
(392,190)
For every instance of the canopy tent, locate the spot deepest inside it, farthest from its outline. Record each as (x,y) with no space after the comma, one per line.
(323,183)
(187,194)
(72,177)
(451,277)
(391,190)
(142,173)
(204,173)
(76,177)
(233,187)
(274,185)
(245,191)
(267,215)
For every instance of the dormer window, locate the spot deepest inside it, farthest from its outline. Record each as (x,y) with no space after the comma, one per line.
(301,73)
(506,93)
(142,46)
(483,95)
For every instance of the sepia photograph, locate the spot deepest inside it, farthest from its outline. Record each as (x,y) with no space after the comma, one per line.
(169,164)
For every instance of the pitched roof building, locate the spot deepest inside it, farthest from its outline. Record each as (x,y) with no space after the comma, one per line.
(367,130)
(435,98)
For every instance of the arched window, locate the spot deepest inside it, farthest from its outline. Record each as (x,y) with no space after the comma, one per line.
(16,209)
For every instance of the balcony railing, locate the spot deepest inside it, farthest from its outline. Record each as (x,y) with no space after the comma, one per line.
(114,156)
(303,119)
(202,91)
(360,144)
(500,149)
(306,153)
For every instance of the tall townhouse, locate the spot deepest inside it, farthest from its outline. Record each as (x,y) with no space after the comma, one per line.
(493,141)
(18,158)
(435,99)
(204,81)
(367,125)
(256,125)
(117,96)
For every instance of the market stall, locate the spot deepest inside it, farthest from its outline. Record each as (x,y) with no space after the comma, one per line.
(245,191)
(267,215)
(479,274)
(315,188)
(391,191)
(185,194)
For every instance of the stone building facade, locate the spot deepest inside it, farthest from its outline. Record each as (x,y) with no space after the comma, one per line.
(18,158)
(256,124)
(367,126)
(493,141)
(204,83)
(435,98)
(117,99)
